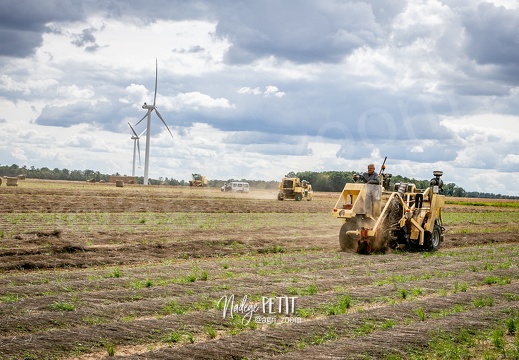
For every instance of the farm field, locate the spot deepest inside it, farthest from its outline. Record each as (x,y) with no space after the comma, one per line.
(91,271)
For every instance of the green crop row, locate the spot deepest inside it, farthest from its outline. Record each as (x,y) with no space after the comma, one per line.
(455,218)
(187,221)
(511,204)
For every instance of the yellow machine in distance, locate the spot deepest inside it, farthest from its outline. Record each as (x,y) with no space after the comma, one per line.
(405,217)
(294,188)
(198,181)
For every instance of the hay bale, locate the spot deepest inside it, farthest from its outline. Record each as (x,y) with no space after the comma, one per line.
(126,179)
(12,181)
(119,183)
(21,177)
(0,181)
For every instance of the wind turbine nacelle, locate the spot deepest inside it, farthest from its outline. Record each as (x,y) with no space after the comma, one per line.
(148,107)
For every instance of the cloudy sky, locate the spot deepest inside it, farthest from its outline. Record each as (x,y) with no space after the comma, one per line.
(255,89)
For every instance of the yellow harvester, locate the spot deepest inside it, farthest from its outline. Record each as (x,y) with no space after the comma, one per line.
(294,188)
(375,219)
(198,181)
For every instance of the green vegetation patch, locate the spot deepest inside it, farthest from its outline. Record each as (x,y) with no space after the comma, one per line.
(500,342)
(457,218)
(62,306)
(506,204)
(157,221)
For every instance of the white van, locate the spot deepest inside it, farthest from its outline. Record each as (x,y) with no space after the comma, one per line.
(236,186)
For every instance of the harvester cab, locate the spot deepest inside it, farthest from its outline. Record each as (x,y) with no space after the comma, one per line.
(377,218)
(294,188)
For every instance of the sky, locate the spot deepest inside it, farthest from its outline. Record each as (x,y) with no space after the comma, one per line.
(256,89)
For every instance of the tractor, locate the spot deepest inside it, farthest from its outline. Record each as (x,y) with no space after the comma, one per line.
(198,181)
(377,219)
(294,188)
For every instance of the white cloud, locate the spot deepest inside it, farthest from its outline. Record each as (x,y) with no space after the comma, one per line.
(18,154)
(484,126)
(511,159)
(76,92)
(509,4)
(136,95)
(270,90)
(273,91)
(196,100)
(248,90)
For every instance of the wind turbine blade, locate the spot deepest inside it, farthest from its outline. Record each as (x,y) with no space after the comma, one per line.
(133,130)
(166,125)
(144,117)
(139,150)
(156,78)
(142,133)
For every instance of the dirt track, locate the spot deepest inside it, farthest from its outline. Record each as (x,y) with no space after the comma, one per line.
(84,266)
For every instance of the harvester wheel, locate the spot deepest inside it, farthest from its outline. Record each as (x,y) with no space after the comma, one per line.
(348,242)
(432,239)
(280,196)
(299,197)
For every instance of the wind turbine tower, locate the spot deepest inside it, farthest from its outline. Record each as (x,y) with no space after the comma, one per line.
(150,109)
(136,146)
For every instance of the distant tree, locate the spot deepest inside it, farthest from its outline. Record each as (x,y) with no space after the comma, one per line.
(459,192)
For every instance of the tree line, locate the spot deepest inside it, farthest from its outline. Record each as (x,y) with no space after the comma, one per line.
(326,181)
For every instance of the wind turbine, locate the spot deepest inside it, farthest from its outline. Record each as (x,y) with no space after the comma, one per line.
(150,109)
(136,146)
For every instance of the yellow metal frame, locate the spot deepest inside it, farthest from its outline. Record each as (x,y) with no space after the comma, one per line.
(352,198)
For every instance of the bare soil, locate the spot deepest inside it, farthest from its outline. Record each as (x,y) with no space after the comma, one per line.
(86,267)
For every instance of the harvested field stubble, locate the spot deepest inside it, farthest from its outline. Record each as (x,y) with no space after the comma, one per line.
(87,270)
